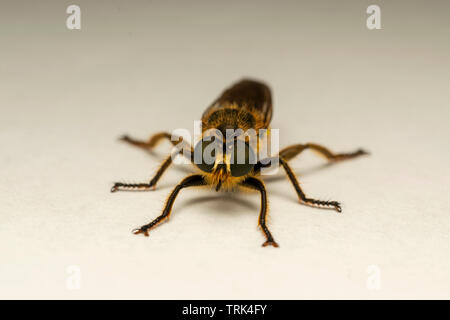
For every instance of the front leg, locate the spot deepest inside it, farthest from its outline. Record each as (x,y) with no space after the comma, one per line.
(191,181)
(256,184)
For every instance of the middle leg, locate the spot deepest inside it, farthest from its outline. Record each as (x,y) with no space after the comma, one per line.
(183,149)
(119,186)
(302,197)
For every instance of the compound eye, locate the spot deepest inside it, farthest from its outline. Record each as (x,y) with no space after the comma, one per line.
(205,154)
(243,159)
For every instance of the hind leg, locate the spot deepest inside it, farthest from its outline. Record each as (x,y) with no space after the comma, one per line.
(151,142)
(292,151)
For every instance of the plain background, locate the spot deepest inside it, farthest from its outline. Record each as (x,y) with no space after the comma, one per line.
(140,67)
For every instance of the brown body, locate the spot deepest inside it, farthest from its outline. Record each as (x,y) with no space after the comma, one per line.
(245,105)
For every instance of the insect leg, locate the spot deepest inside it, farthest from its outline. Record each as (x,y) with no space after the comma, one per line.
(119,186)
(303,198)
(290,152)
(190,181)
(151,142)
(256,184)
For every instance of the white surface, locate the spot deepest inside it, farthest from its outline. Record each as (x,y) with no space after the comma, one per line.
(141,68)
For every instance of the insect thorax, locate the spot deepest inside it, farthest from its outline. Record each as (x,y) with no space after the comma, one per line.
(232,117)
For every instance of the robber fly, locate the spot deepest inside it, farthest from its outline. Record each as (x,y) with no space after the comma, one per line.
(245,105)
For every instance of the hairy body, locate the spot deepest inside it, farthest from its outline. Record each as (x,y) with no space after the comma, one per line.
(245,105)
